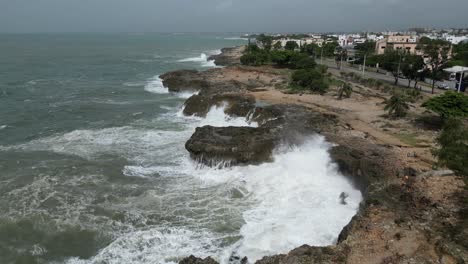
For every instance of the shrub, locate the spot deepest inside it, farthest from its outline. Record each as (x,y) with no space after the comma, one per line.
(453,151)
(396,106)
(310,79)
(281,58)
(345,90)
(291,45)
(449,104)
(301,61)
(256,58)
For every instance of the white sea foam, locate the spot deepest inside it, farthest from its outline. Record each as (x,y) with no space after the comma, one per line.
(134,84)
(236,38)
(296,200)
(202,59)
(156,246)
(284,204)
(155,85)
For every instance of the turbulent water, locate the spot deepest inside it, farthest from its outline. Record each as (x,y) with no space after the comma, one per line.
(94,170)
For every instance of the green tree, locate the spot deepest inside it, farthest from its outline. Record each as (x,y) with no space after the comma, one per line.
(391,62)
(341,55)
(310,79)
(449,104)
(460,55)
(266,41)
(291,45)
(412,67)
(453,142)
(277,45)
(437,57)
(291,59)
(329,49)
(345,90)
(301,61)
(364,50)
(255,58)
(396,106)
(281,57)
(311,49)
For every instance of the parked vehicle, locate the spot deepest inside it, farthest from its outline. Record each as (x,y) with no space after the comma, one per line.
(443,86)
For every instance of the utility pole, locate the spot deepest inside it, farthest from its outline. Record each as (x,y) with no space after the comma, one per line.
(321,55)
(398,70)
(461,80)
(341,60)
(364,65)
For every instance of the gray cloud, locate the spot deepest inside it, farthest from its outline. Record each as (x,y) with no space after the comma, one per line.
(227,15)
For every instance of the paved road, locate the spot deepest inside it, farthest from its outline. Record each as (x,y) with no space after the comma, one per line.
(379,76)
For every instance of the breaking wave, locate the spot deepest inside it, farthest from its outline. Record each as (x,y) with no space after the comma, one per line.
(203,59)
(292,201)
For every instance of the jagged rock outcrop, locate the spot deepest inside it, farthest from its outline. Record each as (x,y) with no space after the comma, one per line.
(307,255)
(278,124)
(184,80)
(236,104)
(236,145)
(228,56)
(194,260)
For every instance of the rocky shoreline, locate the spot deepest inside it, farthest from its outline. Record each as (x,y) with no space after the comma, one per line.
(396,223)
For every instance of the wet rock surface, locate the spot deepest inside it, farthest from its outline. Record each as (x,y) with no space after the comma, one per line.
(234,145)
(194,260)
(228,56)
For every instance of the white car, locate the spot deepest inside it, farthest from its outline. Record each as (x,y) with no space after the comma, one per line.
(443,86)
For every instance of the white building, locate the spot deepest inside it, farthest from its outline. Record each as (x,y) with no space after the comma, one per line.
(455,39)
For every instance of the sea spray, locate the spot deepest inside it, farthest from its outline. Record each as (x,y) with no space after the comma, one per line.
(203,59)
(280,205)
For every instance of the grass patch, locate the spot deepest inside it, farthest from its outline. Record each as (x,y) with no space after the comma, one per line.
(411,139)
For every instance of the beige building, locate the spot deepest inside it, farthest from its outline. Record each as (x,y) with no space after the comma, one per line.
(407,44)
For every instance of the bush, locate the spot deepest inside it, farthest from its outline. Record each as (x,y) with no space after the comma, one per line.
(292,60)
(396,106)
(281,58)
(256,58)
(453,141)
(346,90)
(449,104)
(291,45)
(301,61)
(310,79)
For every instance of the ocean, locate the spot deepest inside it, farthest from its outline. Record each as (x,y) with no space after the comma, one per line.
(93,167)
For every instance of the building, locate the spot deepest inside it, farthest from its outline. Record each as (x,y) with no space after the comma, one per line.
(407,44)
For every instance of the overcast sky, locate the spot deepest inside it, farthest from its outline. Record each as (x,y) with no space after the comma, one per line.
(228,15)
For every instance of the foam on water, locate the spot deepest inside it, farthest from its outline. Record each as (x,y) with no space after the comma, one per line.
(155,85)
(156,247)
(203,59)
(284,204)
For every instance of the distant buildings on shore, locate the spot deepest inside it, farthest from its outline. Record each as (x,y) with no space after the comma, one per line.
(401,40)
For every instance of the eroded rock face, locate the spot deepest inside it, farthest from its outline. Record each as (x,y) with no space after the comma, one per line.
(228,56)
(236,145)
(236,104)
(184,81)
(307,255)
(194,260)
(279,124)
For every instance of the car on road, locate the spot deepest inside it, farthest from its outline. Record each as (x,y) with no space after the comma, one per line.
(443,86)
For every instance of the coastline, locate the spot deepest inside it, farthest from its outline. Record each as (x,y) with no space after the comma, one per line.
(402,217)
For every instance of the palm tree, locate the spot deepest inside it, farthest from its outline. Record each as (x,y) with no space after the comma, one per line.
(396,106)
(346,90)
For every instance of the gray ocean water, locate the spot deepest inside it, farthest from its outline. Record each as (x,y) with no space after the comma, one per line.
(93,167)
